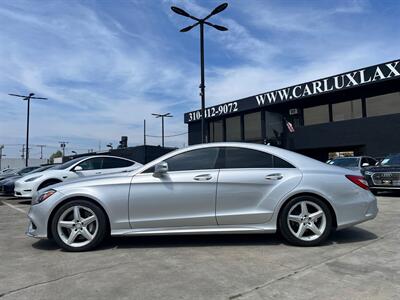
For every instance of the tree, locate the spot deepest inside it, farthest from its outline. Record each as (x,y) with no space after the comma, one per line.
(58,153)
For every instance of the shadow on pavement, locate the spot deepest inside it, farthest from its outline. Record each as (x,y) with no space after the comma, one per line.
(345,236)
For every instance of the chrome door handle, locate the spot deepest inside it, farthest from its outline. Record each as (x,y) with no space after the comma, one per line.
(98,172)
(275,176)
(202,177)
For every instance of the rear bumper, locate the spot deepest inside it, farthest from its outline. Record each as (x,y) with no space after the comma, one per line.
(364,211)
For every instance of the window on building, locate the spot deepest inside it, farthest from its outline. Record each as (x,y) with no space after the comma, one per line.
(273,127)
(383,105)
(316,115)
(216,131)
(347,110)
(252,126)
(233,129)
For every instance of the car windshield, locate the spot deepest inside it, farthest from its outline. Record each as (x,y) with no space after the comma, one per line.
(67,164)
(391,160)
(345,162)
(41,169)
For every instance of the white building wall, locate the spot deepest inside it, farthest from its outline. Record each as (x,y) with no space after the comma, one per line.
(16,163)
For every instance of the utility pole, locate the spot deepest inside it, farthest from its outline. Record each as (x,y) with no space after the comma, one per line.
(1,154)
(23,151)
(144,132)
(28,99)
(41,150)
(63,145)
(162,116)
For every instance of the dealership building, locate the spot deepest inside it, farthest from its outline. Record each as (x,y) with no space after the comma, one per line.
(353,113)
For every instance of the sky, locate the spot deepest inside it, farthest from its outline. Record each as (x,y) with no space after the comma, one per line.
(106,65)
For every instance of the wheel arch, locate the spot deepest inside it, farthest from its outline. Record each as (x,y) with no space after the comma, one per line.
(52,179)
(328,204)
(53,212)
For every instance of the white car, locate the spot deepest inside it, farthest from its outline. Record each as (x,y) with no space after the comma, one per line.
(28,185)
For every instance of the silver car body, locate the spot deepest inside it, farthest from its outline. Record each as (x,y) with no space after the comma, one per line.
(211,201)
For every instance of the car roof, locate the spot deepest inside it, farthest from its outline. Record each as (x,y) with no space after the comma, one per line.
(296,159)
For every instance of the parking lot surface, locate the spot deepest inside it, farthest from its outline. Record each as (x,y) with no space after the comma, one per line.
(362,262)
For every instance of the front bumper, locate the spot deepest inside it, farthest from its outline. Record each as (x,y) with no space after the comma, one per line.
(23,190)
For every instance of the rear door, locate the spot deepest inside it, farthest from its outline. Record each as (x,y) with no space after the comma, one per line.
(250,184)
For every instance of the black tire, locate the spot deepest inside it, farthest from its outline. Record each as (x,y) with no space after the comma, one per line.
(48,183)
(101,232)
(287,234)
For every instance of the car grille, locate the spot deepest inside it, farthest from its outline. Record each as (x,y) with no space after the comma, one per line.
(386,179)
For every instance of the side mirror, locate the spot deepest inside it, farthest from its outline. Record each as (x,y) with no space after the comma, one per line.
(365,165)
(77,169)
(161,168)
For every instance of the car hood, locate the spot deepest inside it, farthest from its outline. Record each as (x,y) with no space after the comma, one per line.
(10,179)
(383,169)
(4,176)
(86,181)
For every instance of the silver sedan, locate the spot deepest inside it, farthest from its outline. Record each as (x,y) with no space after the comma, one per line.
(211,188)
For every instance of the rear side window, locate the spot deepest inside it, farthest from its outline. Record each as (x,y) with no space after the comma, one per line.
(236,158)
(112,162)
(199,159)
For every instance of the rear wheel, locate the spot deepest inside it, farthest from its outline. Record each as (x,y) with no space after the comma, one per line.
(79,225)
(305,221)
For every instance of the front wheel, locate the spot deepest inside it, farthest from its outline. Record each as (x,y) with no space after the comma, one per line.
(79,225)
(305,221)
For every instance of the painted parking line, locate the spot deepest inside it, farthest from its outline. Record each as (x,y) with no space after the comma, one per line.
(14,207)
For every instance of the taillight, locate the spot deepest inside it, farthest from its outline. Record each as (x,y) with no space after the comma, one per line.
(359,180)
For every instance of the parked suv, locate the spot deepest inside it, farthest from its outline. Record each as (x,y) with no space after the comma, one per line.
(385,176)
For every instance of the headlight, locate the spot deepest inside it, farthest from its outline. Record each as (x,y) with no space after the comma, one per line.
(45,196)
(32,178)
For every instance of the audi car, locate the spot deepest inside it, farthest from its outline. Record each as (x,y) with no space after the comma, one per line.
(209,188)
(385,176)
(77,168)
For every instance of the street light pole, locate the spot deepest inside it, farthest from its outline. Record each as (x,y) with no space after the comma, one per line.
(27,98)
(202,85)
(162,116)
(201,22)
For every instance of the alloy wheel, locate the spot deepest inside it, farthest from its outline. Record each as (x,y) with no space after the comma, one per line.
(77,226)
(306,220)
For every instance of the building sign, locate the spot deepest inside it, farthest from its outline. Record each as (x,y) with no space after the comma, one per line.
(339,82)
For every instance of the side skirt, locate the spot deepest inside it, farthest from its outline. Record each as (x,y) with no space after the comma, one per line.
(194,230)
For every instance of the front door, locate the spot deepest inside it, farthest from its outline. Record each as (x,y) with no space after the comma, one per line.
(183,196)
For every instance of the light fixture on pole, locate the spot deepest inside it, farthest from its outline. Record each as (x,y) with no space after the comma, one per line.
(28,99)
(162,116)
(201,22)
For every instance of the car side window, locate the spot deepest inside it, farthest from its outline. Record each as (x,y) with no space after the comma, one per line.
(237,158)
(112,162)
(92,164)
(199,159)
